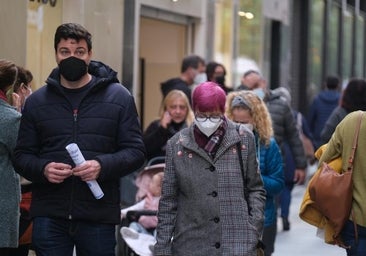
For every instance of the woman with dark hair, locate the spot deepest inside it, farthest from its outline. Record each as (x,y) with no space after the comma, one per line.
(17,96)
(9,181)
(216,72)
(212,200)
(21,89)
(353,98)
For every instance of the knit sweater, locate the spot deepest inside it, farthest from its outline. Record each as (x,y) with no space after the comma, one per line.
(340,144)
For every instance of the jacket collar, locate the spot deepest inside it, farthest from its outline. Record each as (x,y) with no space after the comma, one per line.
(103,73)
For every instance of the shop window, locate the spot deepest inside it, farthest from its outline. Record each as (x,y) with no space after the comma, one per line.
(333,41)
(347,45)
(360,35)
(250,37)
(315,44)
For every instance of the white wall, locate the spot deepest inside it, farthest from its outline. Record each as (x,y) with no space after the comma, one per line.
(13,30)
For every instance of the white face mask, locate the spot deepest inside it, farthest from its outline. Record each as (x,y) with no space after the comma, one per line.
(249,126)
(259,92)
(208,127)
(243,127)
(200,78)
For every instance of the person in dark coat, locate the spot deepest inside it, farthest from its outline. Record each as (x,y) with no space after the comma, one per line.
(353,98)
(84,103)
(216,72)
(208,206)
(289,160)
(192,72)
(322,106)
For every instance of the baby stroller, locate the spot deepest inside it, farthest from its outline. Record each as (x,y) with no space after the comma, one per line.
(140,183)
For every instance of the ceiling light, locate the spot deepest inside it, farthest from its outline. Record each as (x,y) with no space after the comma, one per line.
(247,15)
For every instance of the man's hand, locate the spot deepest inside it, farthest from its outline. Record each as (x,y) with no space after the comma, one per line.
(87,171)
(57,172)
(299,176)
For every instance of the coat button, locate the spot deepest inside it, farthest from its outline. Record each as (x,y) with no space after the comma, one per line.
(217,245)
(212,168)
(216,219)
(214,194)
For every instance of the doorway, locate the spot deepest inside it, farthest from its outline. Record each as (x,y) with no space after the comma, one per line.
(162,47)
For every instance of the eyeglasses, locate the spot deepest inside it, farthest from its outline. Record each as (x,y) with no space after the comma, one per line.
(202,118)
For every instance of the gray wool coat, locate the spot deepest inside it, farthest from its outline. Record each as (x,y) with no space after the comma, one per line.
(203,210)
(9,180)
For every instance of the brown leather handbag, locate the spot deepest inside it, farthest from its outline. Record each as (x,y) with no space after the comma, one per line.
(332,191)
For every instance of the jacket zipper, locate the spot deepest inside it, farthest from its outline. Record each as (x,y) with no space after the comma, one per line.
(75,115)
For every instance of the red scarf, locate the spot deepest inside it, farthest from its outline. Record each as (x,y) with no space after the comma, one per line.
(3,96)
(212,143)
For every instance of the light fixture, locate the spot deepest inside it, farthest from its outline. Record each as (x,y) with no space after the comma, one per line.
(247,15)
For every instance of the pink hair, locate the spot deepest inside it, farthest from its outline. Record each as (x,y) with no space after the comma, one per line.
(208,97)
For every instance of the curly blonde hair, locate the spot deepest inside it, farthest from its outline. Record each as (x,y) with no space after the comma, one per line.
(262,121)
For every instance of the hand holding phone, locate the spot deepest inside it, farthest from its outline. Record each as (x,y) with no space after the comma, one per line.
(165,121)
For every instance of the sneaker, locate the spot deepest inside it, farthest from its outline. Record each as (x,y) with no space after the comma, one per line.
(286,224)
(129,233)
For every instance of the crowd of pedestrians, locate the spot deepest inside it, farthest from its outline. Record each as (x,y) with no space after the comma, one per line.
(232,155)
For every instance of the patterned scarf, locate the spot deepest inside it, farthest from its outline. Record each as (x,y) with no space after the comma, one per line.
(212,143)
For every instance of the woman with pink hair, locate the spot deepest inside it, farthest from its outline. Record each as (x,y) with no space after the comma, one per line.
(212,197)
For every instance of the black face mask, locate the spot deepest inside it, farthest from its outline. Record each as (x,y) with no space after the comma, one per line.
(72,68)
(220,80)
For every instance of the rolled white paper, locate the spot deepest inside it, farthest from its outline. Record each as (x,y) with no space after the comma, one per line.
(79,159)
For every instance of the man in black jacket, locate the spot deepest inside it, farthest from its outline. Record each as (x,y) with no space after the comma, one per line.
(84,103)
(192,72)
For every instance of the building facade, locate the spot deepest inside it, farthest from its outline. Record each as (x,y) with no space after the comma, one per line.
(292,43)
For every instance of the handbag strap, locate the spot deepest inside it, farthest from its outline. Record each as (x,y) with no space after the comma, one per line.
(350,167)
(355,143)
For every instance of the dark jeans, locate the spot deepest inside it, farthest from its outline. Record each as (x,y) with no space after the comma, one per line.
(57,237)
(358,248)
(4,251)
(285,200)
(22,250)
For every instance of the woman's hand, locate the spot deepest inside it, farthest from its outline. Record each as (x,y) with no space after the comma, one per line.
(166,120)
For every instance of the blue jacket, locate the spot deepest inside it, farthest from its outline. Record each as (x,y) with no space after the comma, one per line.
(320,109)
(271,167)
(106,128)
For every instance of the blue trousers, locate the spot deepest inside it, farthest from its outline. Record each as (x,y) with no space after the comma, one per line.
(57,237)
(285,200)
(358,248)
